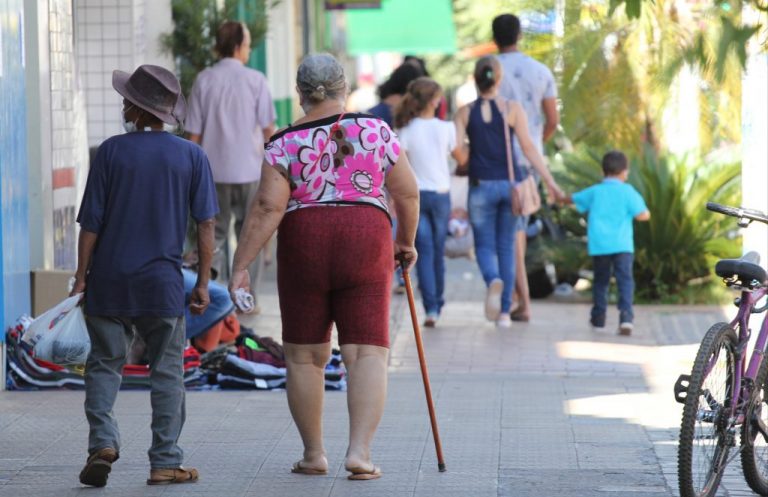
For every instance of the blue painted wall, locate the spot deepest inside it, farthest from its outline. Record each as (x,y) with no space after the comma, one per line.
(14,210)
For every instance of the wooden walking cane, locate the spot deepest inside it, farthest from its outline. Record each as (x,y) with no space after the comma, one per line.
(423,364)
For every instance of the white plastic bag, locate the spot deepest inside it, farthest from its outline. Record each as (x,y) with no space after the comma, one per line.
(59,335)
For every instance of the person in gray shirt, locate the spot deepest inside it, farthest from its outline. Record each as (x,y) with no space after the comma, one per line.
(231,115)
(532,84)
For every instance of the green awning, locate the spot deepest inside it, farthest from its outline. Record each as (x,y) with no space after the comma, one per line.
(404,26)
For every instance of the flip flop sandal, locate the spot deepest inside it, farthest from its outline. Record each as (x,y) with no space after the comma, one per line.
(298,468)
(364,474)
(171,476)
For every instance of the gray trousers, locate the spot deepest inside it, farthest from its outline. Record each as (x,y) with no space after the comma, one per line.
(234,201)
(111,338)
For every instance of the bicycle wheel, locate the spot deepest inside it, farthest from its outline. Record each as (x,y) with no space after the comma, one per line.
(705,433)
(754,436)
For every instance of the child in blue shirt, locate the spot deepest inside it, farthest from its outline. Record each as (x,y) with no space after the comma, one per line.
(611,206)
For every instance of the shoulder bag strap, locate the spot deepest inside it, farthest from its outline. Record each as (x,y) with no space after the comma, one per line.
(508,143)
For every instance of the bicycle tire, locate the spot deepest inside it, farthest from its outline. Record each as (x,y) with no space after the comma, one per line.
(700,413)
(757,480)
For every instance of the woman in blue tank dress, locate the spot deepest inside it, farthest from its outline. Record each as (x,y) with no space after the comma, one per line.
(490,211)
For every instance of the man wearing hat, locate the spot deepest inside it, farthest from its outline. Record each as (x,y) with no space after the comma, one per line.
(142,186)
(231,115)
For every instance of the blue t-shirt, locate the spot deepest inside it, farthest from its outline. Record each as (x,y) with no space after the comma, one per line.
(611,206)
(141,188)
(383,111)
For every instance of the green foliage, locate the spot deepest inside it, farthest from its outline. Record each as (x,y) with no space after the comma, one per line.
(682,239)
(619,75)
(568,254)
(194,35)
(473,28)
(679,245)
(731,36)
(596,83)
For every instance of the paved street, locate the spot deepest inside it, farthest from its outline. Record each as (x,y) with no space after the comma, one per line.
(544,409)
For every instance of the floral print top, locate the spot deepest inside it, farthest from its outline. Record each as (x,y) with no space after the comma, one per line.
(348,169)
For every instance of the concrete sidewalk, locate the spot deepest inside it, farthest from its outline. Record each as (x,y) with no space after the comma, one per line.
(547,408)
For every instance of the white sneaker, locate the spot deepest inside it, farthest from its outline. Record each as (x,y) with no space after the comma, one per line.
(504,321)
(430,321)
(625,329)
(493,300)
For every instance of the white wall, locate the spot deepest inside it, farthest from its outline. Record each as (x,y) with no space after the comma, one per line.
(680,120)
(58,154)
(754,132)
(116,34)
(157,21)
(39,134)
(281,50)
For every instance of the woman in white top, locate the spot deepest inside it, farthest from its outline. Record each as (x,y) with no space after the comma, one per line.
(428,141)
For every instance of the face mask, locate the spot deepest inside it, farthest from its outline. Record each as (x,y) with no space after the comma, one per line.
(129,126)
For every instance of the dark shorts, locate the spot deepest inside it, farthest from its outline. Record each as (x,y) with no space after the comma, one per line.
(334,264)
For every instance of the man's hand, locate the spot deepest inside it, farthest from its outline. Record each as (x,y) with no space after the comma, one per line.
(199,300)
(79,286)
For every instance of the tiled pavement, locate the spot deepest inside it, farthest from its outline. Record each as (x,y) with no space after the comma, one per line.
(544,409)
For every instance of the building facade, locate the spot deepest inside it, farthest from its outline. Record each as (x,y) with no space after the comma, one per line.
(57,105)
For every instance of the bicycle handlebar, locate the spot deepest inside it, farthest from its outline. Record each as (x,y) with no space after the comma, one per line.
(739,212)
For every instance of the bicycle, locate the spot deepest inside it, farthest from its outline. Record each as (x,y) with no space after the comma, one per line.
(724,395)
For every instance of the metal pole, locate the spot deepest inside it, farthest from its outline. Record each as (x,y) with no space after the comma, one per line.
(305,30)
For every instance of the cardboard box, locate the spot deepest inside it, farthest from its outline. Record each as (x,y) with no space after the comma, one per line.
(49,287)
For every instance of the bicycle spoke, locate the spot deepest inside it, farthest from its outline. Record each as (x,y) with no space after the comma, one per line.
(709,440)
(708,429)
(761,427)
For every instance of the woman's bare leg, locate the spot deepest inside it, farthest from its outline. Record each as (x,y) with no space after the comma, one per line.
(305,387)
(366,393)
(521,279)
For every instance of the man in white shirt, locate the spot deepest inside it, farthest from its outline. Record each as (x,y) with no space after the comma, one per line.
(531,83)
(231,115)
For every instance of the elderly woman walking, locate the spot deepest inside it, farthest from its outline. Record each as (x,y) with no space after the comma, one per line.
(323,185)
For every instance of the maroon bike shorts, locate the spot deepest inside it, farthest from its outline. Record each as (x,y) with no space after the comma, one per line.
(335,264)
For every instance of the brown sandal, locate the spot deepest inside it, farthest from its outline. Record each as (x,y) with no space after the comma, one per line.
(519,317)
(98,466)
(172,475)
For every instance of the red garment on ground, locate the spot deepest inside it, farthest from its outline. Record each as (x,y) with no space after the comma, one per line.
(225,331)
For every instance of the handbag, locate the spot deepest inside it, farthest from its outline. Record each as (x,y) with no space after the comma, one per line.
(524,193)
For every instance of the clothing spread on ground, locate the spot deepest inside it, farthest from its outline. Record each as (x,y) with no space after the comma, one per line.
(252,363)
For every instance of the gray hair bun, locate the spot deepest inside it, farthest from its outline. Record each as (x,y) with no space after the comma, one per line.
(320,77)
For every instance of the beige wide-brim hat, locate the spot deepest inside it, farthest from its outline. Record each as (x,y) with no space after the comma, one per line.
(154,89)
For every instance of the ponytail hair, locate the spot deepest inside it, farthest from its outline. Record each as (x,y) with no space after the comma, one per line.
(487,73)
(420,92)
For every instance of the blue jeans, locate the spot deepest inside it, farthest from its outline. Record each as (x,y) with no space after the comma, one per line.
(110,340)
(434,212)
(494,227)
(621,266)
